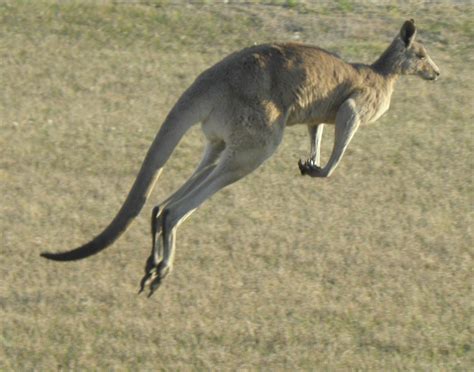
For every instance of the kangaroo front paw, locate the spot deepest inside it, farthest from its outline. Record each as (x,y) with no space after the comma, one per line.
(310,168)
(153,277)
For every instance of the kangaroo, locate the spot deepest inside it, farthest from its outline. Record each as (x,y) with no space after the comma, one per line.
(244,103)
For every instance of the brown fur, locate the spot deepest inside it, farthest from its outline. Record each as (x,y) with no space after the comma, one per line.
(244,104)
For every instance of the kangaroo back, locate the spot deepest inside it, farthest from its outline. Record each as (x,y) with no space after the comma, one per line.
(187,111)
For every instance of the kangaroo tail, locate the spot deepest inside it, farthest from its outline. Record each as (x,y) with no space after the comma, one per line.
(179,120)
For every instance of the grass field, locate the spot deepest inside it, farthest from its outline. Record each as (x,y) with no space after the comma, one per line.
(368,270)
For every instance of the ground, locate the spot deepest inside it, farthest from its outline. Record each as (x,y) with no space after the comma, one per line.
(370,269)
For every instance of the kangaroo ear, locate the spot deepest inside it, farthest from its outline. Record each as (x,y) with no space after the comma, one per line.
(408,32)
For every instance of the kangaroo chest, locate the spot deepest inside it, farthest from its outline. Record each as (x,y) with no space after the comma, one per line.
(378,110)
(373,104)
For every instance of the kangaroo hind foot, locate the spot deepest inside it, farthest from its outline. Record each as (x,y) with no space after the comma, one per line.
(154,270)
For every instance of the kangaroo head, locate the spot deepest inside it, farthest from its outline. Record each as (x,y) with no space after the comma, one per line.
(413,59)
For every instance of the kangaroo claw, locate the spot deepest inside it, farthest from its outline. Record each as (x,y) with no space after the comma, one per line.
(154,285)
(153,278)
(144,282)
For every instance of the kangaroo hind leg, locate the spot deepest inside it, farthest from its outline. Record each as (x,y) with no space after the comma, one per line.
(211,154)
(207,164)
(234,164)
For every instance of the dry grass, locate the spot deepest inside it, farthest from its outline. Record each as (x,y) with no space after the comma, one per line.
(368,270)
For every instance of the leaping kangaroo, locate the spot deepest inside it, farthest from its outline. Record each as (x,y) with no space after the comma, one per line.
(244,103)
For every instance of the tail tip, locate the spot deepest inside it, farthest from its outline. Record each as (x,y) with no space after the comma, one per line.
(55,256)
(46,255)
